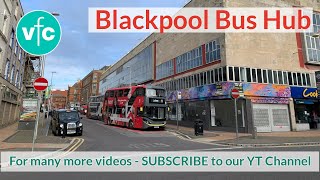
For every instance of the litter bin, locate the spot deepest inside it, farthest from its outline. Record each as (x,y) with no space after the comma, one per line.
(198,127)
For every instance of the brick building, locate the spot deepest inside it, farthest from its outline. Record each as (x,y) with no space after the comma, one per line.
(74,92)
(275,73)
(90,86)
(59,99)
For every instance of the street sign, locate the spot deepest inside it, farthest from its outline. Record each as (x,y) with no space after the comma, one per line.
(235,94)
(40,84)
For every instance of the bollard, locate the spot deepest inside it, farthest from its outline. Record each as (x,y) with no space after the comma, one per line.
(64,132)
(254,133)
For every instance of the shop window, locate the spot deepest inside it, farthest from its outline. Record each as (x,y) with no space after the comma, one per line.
(231,74)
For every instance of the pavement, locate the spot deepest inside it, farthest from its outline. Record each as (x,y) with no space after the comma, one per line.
(100,137)
(17,140)
(263,139)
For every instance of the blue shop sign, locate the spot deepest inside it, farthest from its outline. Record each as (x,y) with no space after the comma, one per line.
(304,93)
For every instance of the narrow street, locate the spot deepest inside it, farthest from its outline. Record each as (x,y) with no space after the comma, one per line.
(99,137)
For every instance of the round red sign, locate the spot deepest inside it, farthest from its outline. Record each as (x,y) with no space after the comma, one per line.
(40,84)
(235,94)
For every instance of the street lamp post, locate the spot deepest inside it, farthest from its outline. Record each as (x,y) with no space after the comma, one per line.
(53,72)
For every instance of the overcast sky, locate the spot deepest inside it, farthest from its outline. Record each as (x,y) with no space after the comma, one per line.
(79,52)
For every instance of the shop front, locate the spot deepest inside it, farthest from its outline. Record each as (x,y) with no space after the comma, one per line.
(210,103)
(270,106)
(306,106)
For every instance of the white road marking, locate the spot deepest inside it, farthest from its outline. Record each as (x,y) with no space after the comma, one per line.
(40,84)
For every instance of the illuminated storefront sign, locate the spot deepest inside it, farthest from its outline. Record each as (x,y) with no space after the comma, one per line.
(304,93)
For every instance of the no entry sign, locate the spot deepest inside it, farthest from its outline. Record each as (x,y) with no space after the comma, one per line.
(235,94)
(40,84)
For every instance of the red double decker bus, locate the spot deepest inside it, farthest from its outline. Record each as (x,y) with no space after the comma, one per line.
(139,107)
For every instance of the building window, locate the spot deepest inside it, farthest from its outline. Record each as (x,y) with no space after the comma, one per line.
(259,75)
(304,79)
(248,72)
(17,83)
(285,77)
(295,82)
(20,53)
(12,39)
(189,60)
(290,78)
(7,70)
(299,79)
(212,76)
(213,51)
(220,74)
(312,44)
(242,74)
(280,77)
(236,74)
(254,75)
(308,80)
(275,77)
(16,48)
(231,74)
(164,70)
(224,74)
(12,74)
(265,77)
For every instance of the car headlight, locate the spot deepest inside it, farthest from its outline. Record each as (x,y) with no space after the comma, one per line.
(61,125)
(80,124)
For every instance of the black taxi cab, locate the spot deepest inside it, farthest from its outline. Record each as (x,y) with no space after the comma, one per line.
(67,117)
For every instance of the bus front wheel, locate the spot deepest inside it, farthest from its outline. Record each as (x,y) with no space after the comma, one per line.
(131,125)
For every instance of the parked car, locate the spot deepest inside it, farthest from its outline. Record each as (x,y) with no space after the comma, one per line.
(69,117)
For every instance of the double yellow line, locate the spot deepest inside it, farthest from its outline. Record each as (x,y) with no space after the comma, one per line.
(71,149)
(76,145)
